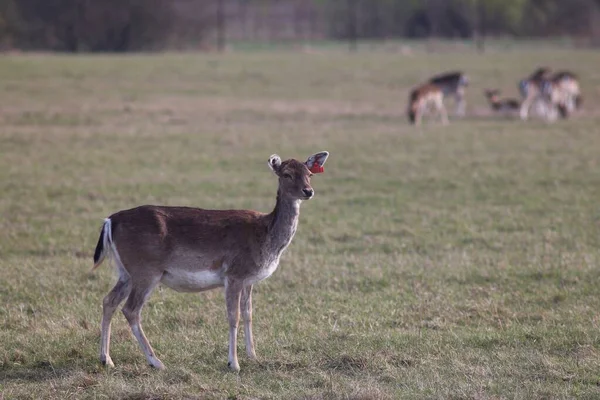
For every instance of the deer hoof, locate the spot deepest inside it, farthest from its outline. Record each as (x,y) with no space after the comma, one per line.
(234,366)
(156,363)
(107,362)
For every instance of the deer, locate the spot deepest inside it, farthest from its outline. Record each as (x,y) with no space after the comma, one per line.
(531,92)
(568,82)
(453,84)
(424,97)
(562,93)
(194,250)
(499,104)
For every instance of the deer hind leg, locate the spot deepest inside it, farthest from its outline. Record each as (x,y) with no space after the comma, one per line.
(419,115)
(461,105)
(546,107)
(109,306)
(541,107)
(567,102)
(570,103)
(233,291)
(426,108)
(132,310)
(246,304)
(525,105)
(551,111)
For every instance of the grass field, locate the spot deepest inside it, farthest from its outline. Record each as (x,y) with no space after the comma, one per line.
(457,262)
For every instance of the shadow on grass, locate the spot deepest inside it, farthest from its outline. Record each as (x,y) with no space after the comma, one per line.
(46,253)
(41,371)
(275,365)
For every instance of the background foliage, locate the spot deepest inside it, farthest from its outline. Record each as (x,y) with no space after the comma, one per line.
(127,25)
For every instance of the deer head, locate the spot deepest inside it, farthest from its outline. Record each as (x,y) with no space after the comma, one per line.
(540,73)
(294,176)
(492,94)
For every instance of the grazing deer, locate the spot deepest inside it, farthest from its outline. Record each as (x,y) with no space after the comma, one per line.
(499,104)
(531,92)
(562,92)
(569,83)
(193,250)
(426,97)
(453,84)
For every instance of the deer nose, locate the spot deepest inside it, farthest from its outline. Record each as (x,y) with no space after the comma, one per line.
(308,192)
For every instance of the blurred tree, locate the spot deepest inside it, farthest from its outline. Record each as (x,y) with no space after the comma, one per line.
(594,23)
(94,25)
(556,17)
(495,17)
(129,25)
(220,24)
(352,15)
(9,24)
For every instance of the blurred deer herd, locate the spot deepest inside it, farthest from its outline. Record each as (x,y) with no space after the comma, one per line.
(549,95)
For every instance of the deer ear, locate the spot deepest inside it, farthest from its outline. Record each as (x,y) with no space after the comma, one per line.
(274,163)
(316,161)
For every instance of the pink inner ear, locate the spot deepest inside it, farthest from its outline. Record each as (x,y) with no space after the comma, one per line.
(317,168)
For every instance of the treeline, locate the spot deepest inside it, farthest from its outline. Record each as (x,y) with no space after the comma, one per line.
(100,25)
(465,18)
(133,25)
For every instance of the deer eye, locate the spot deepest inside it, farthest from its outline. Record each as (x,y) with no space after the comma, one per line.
(287,176)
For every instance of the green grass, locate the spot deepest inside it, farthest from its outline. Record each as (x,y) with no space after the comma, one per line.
(443,262)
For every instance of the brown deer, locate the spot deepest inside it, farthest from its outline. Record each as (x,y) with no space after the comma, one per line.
(568,82)
(531,92)
(453,84)
(424,97)
(562,93)
(193,250)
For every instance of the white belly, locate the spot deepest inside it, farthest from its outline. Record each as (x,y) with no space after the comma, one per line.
(186,281)
(264,272)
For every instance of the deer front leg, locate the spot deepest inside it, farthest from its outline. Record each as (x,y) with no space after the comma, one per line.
(246,304)
(525,105)
(443,113)
(233,291)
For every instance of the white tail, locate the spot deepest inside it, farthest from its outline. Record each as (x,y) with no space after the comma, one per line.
(104,244)
(192,250)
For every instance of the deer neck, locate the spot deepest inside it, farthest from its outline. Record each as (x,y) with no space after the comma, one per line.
(283,222)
